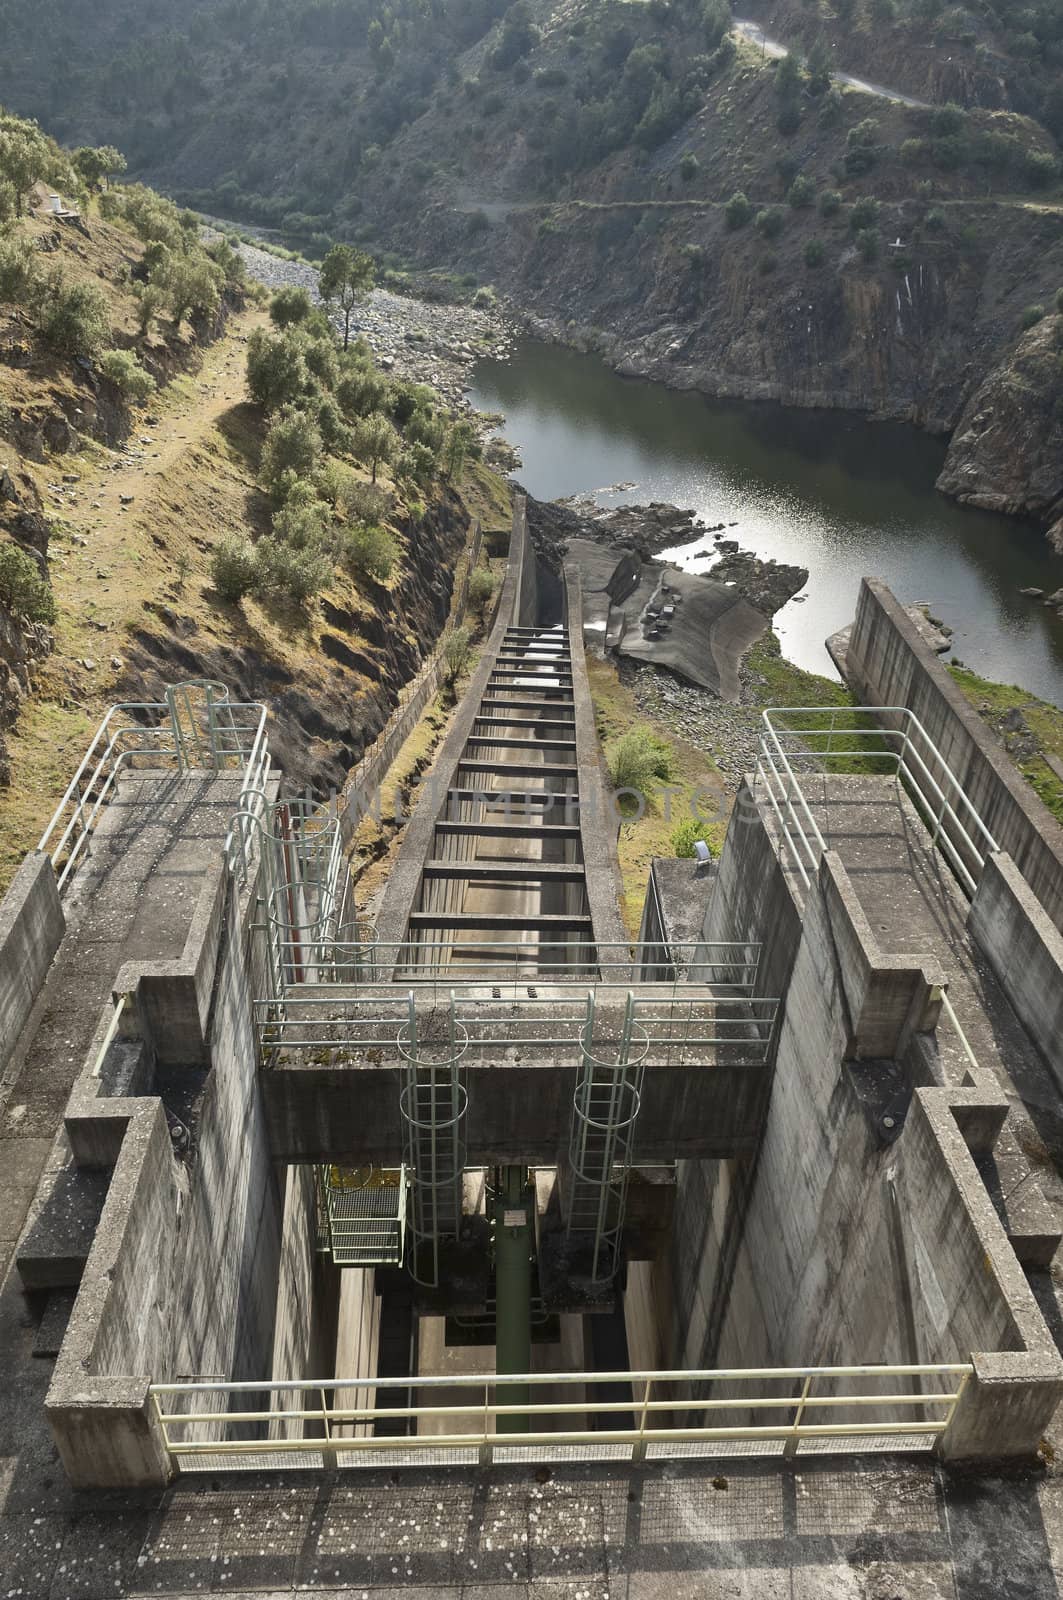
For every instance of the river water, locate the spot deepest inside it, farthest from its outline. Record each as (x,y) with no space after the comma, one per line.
(822,489)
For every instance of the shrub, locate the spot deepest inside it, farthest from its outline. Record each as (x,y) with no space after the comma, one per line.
(687,833)
(689,167)
(8,202)
(191,284)
(362,389)
(1032,316)
(481,588)
(148,297)
(456,654)
(867,242)
(24,591)
(864,214)
(769,222)
(737,210)
(1041,168)
(122,368)
(639,760)
(73,320)
(366,502)
(276,367)
(288,572)
(935,220)
(374,441)
(1059,301)
(293,444)
(290,305)
(336,482)
(333,429)
(233,568)
(802,192)
(302,518)
(371,552)
(815,253)
(19,272)
(830,203)
(789,120)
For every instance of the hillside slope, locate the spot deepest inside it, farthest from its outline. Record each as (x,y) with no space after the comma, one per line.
(583,157)
(113,513)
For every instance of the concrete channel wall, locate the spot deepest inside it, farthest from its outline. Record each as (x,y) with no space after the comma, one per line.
(404,881)
(368,775)
(842,1242)
(888,664)
(1025,950)
(182,1275)
(31,930)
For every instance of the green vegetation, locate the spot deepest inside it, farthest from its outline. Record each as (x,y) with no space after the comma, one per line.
(482,586)
(638,762)
(689,832)
(328,407)
(122,368)
(24,590)
(1031,730)
(456,656)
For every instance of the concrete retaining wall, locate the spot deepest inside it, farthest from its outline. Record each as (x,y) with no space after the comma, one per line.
(182,1275)
(888,664)
(1025,950)
(836,1247)
(31,929)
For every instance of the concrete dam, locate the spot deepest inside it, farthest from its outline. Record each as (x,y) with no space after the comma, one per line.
(485,1181)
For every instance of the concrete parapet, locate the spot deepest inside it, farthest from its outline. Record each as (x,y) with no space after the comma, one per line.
(31,929)
(97,1403)
(887,663)
(1025,950)
(885,997)
(173,997)
(601,864)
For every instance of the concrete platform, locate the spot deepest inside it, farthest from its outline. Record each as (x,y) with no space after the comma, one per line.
(131,899)
(711,630)
(916,907)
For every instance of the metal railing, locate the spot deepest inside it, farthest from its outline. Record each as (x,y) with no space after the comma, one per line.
(828,739)
(510,966)
(668,1414)
(690,1028)
(197,728)
(361,1215)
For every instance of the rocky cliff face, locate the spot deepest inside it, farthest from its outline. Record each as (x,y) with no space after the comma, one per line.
(1007,451)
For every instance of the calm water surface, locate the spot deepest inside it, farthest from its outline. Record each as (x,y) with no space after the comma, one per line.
(827,491)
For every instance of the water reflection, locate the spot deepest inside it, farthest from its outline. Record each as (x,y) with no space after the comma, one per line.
(834,493)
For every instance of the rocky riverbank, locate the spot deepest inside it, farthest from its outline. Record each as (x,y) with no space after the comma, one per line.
(729,733)
(648,531)
(426,343)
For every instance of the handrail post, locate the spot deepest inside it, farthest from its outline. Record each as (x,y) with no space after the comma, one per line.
(790,1447)
(485,1453)
(638,1449)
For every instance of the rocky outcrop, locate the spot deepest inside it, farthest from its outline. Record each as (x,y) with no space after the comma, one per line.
(1007,451)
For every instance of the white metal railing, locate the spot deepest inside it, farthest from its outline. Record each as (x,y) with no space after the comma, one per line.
(511,965)
(196,728)
(669,1413)
(829,739)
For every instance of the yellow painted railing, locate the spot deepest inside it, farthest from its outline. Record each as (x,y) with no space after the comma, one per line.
(668,1413)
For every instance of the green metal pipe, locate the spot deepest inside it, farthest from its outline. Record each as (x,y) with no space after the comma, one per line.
(513,1249)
